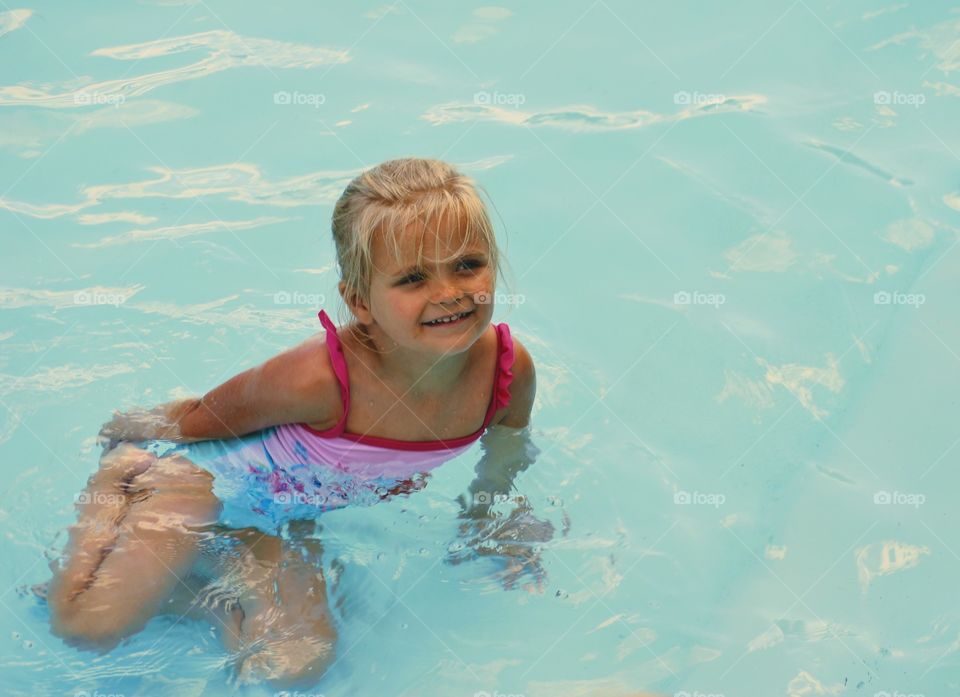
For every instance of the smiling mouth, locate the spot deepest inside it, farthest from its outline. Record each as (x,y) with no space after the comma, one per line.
(449,319)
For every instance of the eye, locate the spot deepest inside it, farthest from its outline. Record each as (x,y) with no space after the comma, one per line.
(412,278)
(471,263)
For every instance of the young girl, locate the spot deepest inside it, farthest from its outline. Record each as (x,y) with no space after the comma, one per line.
(354,416)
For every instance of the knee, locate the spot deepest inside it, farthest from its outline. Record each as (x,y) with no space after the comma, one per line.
(85,628)
(126,460)
(176,475)
(170,497)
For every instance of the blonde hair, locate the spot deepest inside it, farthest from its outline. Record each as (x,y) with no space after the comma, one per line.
(392,196)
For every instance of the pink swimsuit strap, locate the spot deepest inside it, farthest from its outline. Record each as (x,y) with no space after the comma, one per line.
(503,376)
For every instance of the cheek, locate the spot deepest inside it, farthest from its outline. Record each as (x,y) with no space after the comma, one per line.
(483,281)
(405,303)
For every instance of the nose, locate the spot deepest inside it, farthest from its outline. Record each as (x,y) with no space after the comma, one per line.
(446,291)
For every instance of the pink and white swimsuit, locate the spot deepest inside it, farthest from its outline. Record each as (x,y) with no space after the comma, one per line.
(294,471)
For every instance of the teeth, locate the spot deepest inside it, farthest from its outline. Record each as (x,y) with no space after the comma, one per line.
(452,318)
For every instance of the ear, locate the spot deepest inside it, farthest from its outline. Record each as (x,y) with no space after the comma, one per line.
(357,306)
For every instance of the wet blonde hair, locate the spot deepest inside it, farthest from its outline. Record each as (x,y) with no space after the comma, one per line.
(387,199)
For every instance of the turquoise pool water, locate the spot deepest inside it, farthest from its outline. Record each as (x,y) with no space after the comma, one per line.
(733,228)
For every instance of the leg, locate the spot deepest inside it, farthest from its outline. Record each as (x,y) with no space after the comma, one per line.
(101,507)
(135,538)
(207,599)
(287,629)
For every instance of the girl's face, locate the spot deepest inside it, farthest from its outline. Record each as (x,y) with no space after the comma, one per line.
(405,297)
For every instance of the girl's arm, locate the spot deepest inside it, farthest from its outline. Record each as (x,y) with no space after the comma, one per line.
(506,453)
(509,533)
(160,422)
(507,447)
(296,386)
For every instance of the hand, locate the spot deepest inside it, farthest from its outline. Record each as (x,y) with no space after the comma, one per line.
(134,425)
(513,540)
(123,426)
(141,424)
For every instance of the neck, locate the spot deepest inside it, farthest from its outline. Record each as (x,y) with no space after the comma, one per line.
(411,372)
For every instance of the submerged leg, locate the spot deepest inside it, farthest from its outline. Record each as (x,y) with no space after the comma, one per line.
(136,537)
(209,600)
(287,628)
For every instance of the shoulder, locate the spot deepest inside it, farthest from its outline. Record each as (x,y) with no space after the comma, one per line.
(294,386)
(523,388)
(309,374)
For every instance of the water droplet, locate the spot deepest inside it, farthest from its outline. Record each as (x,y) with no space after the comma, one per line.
(424,552)
(404,625)
(562,594)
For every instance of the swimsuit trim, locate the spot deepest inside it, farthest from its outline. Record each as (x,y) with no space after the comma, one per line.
(500,397)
